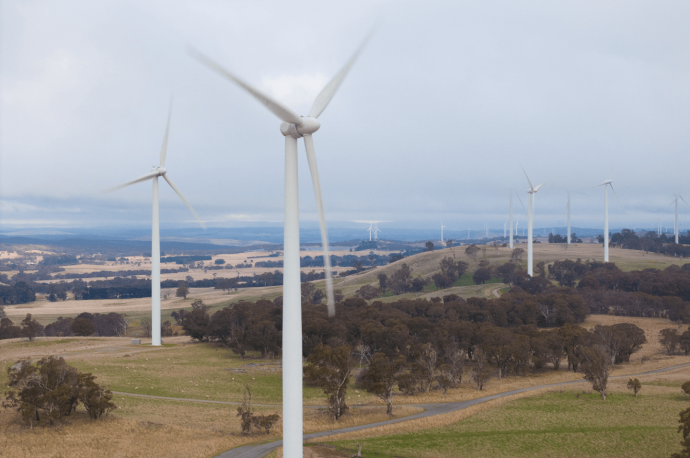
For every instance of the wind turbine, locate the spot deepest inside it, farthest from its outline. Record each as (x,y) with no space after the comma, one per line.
(512,191)
(675,226)
(293,128)
(371,228)
(153,175)
(376,231)
(530,221)
(606,184)
(442,226)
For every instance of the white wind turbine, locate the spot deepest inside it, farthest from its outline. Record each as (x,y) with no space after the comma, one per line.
(371,229)
(293,128)
(675,225)
(153,175)
(606,184)
(376,231)
(530,221)
(442,226)
(512,191)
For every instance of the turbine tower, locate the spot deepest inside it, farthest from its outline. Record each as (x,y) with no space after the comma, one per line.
(675,225)
(442,226)
(531,192)
(153,175)
(293,128)
(606,184)
(371,228)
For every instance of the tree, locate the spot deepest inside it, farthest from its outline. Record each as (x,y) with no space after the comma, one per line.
(219,262)
(97,400)
(358,265)
(684,428)
(195,323)
(381,376)
(244,411)
(482,369)
(31,328)
(597,366)
(429,246)
(400,280)
(669,339)
(330,369)
(516,255)
(83,327)
(383,282)
(481,275)
(472,251)
(54,387)
(635,385)
(368,292)
(182,290)
(145,323)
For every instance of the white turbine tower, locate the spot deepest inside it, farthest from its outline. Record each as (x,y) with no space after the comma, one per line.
(153,175)
(293,128)
(530,221)
(675,225)
(442,226)
(371,229)
(606,184)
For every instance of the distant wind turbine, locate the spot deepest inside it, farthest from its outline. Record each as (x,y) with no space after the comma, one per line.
(371,229)
(293,128)
(376,231)
(512,191)
(442,226)
(675,226)
(606,184)
(153,175)
(532,191)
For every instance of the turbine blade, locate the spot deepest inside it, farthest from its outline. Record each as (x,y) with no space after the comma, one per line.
(537,188)
(614,193)
(603,184)
(172,185)
(518,196)
(323,99)
(681,198)
(148,176)
(530,183)
(277,108)
(311,158)
(164,148)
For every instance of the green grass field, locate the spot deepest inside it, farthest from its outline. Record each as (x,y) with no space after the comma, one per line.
(556,424)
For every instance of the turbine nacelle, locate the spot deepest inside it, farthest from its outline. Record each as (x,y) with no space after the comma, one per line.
(309,126)
(161,170)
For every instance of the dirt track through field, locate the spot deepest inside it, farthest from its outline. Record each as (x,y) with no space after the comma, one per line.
(260,450)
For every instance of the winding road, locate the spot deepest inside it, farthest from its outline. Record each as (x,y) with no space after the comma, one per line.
(260,450)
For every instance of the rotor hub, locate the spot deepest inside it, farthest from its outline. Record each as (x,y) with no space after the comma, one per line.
(161,170)
(308,127)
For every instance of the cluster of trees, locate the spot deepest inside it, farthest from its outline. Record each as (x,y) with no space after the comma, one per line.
(30,328)
(19,293)
(88,324)
(348,260)
(59,260)
(652,242)
(54,388)
(560,239)
(185,259)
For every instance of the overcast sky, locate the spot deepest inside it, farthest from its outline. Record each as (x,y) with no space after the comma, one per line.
(431,123)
